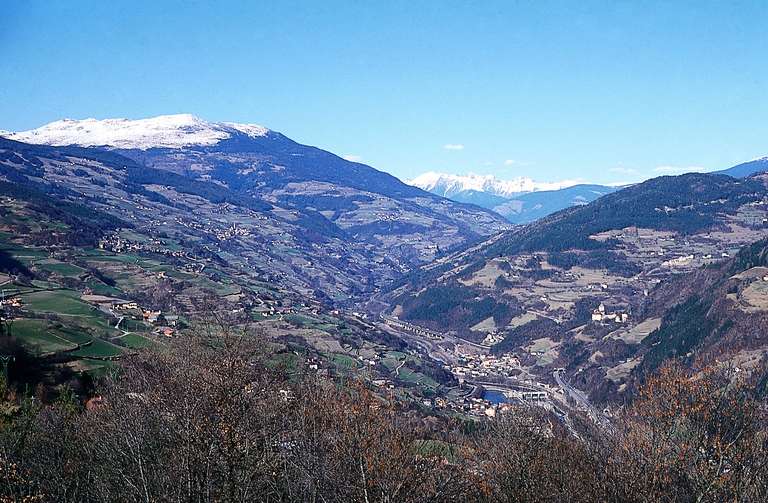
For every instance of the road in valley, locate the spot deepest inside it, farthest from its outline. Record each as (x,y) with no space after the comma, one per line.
(582,400)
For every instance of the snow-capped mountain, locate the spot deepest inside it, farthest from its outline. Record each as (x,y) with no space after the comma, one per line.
(448,185)
(520,200)
(300,197)
(168,131)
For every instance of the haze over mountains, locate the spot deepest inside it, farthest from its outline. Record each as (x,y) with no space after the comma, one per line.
(519,200)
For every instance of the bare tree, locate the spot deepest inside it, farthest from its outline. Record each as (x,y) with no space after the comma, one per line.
(691,436)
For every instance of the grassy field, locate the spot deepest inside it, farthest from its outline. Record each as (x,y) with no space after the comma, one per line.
(64,302)
(343,361)
(94,367)
(131,325)
(310,322)
(409,375)
(136,341)
(36,335)
(183,276)
(100,288)
(133,236)
(222,289)
(124,257)
(44,336)
(75,335)
(26,255)
(38,283)
(98,349)
(393,359)
(60,268)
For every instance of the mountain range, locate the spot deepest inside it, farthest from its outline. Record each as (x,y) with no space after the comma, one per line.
(169,209)
(747,168)
(448,185)
(523,200)
(582,288)
(520,200)
(317,222)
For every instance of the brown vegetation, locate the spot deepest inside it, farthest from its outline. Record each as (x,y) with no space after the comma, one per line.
(209,421)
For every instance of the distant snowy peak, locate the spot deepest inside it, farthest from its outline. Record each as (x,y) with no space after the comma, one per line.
(165,131)
(448,185)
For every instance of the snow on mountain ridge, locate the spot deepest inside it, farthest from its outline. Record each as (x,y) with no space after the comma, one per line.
(169,131)
(447,185)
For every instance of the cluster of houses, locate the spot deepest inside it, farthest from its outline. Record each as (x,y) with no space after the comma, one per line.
(148,315)
(483,365)
(679,261)
(471,405)
(493,338)
(267,307)
(396,322)
(230,232)
(601,316)
(165,324)
(11,302)
(7,305)
(116,244)
(384,383)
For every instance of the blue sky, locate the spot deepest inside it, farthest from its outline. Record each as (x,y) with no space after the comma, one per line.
(602,91)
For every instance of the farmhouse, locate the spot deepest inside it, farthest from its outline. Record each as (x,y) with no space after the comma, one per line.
(151,316)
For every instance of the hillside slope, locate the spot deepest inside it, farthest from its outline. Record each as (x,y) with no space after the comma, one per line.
(747,168)
(530,207)
(716,313)
(570,290)
(81,290)
(304,215)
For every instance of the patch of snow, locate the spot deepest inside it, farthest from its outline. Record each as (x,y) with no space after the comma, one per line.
(448,185)
(252,130)
(168,131)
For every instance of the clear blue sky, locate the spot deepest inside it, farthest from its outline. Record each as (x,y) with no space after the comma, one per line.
(604,91)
